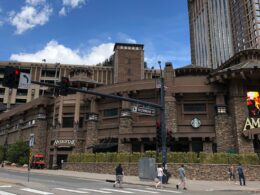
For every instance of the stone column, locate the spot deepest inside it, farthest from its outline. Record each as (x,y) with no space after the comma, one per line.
(92,134)
(170,101)
(57,128)
(239,113)
(239,108)
(76,121)
(125,126)
(224,133)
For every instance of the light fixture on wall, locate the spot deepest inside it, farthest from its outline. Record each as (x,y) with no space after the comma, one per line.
(125,112)
(93,117)
(221,109)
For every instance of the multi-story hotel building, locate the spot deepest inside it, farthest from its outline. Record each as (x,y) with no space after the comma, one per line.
(209,110)
(221,28)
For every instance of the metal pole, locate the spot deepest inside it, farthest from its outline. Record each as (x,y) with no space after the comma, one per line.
(162,119)
(29,163)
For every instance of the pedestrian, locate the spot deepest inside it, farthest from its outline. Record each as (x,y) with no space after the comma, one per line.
(231,173)
(182,177)
(241,176)
(119,175)
(160,174)
(166,173)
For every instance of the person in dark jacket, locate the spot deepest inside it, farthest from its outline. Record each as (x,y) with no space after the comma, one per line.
(240,172)
(119,176)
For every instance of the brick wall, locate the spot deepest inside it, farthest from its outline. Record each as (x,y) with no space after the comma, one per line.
(193,171)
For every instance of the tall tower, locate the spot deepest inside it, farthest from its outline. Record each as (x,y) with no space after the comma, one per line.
(245,20)
(128,62)
(210,32)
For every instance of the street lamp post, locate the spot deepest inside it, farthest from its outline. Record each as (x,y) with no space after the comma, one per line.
(162,118)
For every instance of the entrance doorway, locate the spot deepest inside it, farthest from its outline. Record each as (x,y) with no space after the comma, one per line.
(61,158)
(256,142)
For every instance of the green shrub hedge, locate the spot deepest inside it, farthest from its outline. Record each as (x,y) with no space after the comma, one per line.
(173,157)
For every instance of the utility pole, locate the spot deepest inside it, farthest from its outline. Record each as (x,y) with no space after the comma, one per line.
(162,118)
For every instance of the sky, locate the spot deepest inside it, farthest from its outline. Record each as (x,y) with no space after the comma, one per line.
(84,31)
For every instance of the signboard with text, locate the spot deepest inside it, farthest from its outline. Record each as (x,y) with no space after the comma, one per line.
(143,110)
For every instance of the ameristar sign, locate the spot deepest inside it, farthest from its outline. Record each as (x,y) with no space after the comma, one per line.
(252,123)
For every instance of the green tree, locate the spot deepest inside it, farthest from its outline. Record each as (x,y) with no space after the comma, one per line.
(17,152)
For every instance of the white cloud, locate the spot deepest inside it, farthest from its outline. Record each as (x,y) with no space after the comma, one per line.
(122,37)
(54,52)
(70,4)
(30,17)
(130,40)
(73,3)
(62,12)
(35,2)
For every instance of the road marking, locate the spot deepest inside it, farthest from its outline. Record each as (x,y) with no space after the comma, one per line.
(36,191)
(161,190)
(93,190)
(6,193)
(5,186)
(114,190)
(69,190)
(138,190)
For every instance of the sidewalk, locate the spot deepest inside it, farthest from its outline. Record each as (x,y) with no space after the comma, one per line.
(192,185)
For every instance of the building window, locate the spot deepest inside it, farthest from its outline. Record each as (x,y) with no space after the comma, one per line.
(20,101)
(81,121)
(194,108)
(2,91)
(21,92)
(50,73)
(110,112)
(68,122)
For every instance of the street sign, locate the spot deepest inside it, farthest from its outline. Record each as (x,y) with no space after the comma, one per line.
(25,80)
(143,110)
(31,141)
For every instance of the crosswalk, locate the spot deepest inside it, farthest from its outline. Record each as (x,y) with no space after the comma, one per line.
(10,190)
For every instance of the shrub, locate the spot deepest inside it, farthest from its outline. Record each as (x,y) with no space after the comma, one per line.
(173,157)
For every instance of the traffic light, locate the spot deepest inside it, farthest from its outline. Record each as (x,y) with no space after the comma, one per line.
(11,77)
(158,133)
(64,86)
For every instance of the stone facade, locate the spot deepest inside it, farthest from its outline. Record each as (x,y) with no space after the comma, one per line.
(224,133)
(193,171)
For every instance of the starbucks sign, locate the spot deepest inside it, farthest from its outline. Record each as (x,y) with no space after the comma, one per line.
(195,122)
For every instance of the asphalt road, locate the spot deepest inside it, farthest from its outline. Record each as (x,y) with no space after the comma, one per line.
(16,183)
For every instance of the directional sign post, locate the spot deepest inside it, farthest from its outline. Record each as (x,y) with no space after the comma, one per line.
(25,81)
(31,143)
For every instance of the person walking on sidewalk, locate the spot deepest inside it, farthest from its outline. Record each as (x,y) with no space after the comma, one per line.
(232,173)
(119,175)
(241,175)
(182,177)
(158,180)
